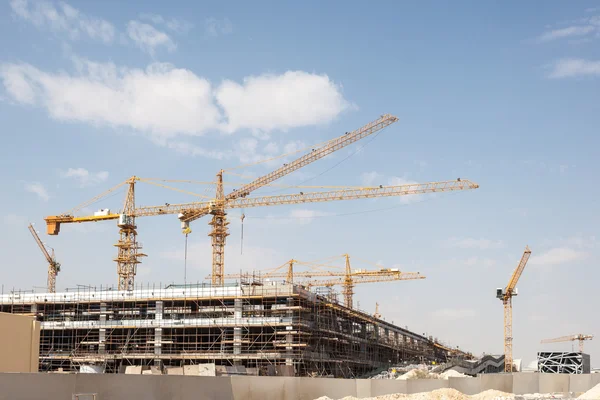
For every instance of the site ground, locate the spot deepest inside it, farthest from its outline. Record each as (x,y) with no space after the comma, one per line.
(21,386)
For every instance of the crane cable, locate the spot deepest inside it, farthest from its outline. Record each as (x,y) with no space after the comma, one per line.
(242,217)
(185,261)
(187,231)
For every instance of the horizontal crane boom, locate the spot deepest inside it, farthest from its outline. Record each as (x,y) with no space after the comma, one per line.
(53,222)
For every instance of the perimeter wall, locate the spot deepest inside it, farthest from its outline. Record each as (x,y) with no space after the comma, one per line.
(24,386)
(19,343)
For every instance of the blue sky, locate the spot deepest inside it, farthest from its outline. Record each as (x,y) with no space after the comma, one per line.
(504,94)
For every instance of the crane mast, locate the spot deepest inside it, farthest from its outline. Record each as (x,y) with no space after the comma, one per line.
(506,296)
(53,265)
(128,253)
(219,231)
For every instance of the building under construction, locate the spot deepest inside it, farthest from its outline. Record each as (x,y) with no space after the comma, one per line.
(276,328)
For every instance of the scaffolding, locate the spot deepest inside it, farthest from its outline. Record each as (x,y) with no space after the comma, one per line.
(270,329)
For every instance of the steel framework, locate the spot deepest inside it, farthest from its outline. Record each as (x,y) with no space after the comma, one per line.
(563,363)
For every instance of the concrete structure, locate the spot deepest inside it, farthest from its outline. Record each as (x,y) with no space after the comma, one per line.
(126,387)
(275,329)
(19,343)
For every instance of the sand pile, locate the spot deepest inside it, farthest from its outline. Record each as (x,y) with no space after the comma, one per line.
(424,374)
(592,394)
(418,374)
(452,374)
(439,394)
(492,394)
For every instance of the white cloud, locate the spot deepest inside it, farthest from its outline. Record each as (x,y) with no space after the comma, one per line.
(148,38)
(479,262)
(268,102)
(64,19)
(38,189)
(472,243)
(370,178)
(296,216)
(164,101)
(558,255)
(573,67)
(451,314)
(193,150)
(579,242)
(398,181)
(304,217)
(160,100)
(571,31)
(215,27)
(85,177)
(271,148)
(173,24)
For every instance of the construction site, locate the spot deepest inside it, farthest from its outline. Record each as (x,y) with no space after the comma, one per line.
(278,329)
(284,322)
(296,320)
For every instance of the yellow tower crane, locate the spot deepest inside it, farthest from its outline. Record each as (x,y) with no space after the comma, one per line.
(53,265)
(129,249)
(217,208)
(347,276)
(360,278)
(506,296)
(580,337)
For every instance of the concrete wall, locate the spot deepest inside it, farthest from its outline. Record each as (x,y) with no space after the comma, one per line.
(19,343)
(25,386)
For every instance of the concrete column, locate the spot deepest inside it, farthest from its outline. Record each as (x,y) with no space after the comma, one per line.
(157,341)
(237,331)
(159,310)
(158,316)
(289,338)
(102,331)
